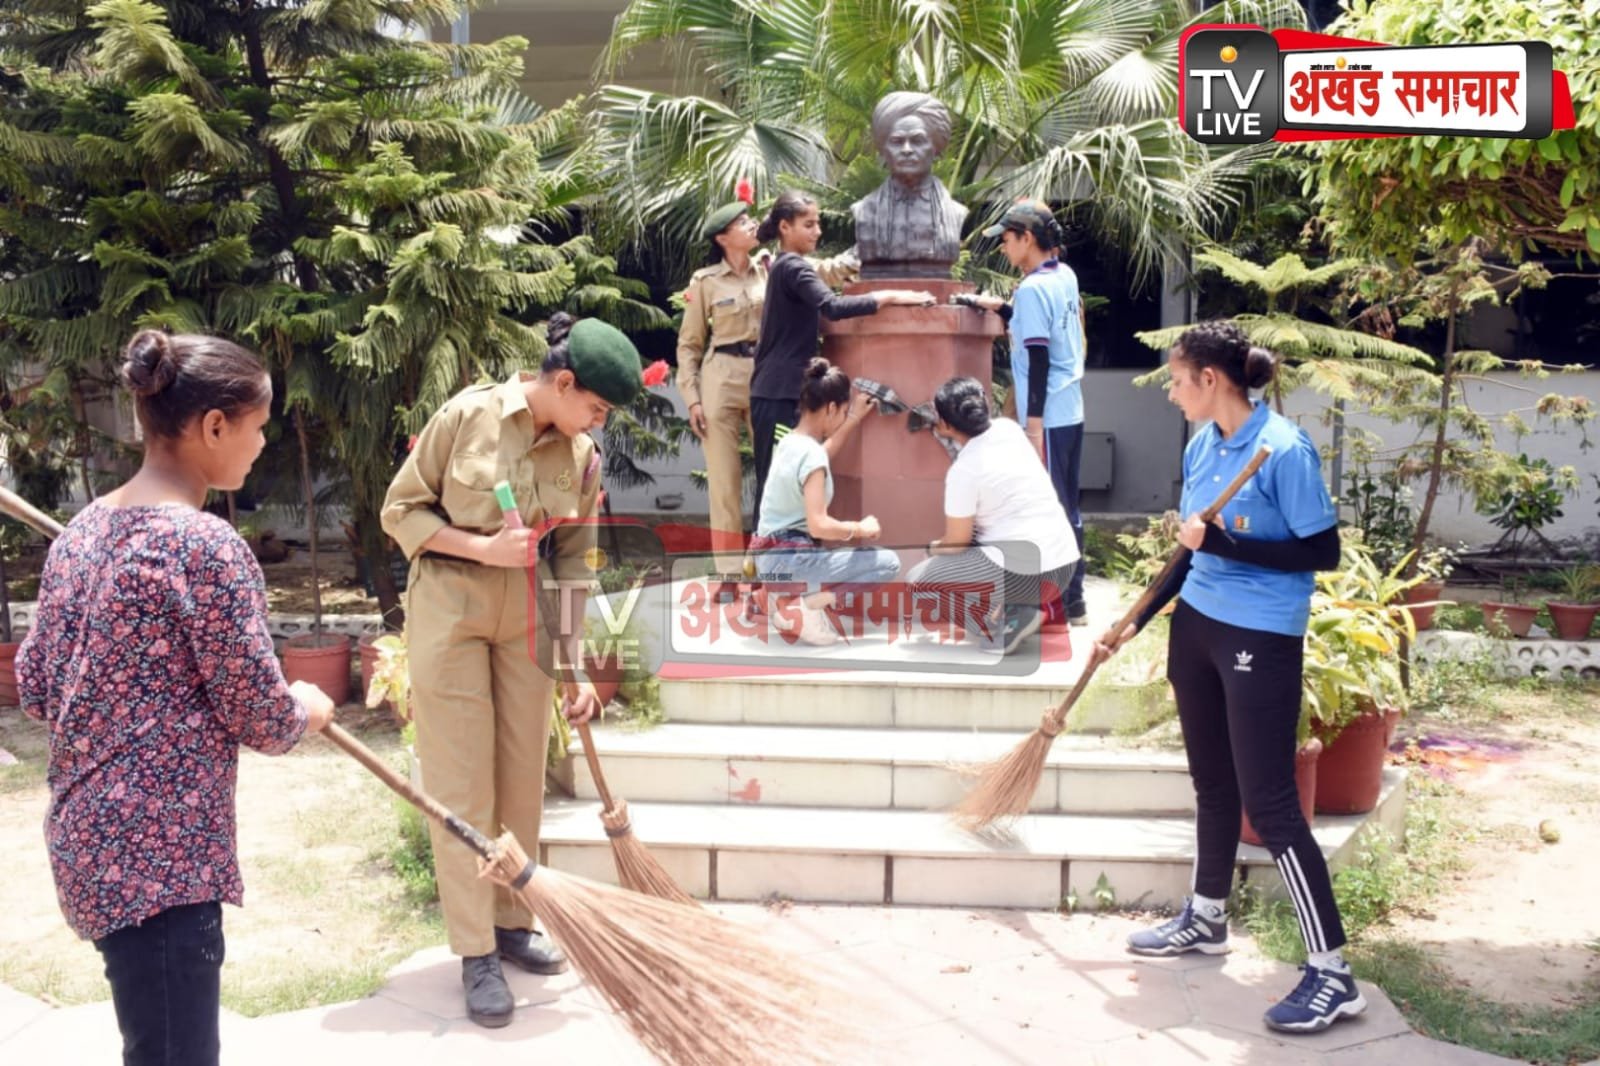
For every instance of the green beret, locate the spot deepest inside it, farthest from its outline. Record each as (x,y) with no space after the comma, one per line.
(722,218)
(604,361)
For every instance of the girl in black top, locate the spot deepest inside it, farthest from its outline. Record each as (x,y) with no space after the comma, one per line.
(791,321)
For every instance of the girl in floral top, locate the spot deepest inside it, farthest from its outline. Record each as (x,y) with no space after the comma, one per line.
(149,660)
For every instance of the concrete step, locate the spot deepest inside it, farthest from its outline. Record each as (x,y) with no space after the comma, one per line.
(908,700)
(872,769)
(721,851)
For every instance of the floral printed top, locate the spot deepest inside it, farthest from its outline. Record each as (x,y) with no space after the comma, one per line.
(150,661)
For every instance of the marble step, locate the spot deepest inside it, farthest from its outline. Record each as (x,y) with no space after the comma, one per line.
(871,769)
(719,851)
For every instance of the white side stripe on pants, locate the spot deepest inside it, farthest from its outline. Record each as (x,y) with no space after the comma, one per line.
(1304,906)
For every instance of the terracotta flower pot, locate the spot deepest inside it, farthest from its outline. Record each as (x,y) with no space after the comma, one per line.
(1514,619)
(8,675)
(323,659)
(1305,782)
(1350,771)
(1426,592)
(1573,620)
(606,673)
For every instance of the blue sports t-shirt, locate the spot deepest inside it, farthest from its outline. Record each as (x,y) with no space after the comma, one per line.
(1286,498)
(1044,310)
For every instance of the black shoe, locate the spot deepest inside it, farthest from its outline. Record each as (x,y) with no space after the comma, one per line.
(531,951)
(489,1001)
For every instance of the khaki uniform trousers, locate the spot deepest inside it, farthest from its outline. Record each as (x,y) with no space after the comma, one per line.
(482,706)
(725,401)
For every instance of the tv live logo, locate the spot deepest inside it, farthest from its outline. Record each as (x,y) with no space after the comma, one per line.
(1242,85)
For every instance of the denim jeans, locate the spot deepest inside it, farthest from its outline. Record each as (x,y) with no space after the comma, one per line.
(821,567)
(166,984)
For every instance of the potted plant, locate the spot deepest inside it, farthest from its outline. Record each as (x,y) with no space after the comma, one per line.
(1421,598)
(1573,614)
(1509,616)
(319,657)
(1353,689)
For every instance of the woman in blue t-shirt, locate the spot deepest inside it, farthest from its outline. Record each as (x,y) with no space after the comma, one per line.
(794,516)
(1235,659)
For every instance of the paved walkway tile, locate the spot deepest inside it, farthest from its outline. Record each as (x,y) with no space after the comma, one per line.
(936,987)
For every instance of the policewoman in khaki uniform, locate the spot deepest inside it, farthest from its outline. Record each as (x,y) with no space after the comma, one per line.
(716,349)
(482,701)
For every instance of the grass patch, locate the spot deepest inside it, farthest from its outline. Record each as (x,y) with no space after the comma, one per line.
(1383,882)
(1443,1008)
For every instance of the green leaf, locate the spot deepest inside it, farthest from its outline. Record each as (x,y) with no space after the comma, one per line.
(1567,188)
(1550,150)
(1593,234)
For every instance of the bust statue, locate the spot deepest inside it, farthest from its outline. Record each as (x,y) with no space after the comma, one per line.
(909,226)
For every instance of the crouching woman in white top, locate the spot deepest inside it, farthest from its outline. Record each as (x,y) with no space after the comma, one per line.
(1004,528)
(794,519)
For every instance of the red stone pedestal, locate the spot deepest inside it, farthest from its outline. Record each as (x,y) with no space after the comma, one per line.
(882,469)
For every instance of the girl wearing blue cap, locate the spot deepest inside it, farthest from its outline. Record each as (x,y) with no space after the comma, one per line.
(1235,659)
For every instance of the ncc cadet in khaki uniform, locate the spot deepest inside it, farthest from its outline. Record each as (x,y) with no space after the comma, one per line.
(482,701)
(716,349)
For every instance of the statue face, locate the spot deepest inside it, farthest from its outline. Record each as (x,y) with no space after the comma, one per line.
(908,150)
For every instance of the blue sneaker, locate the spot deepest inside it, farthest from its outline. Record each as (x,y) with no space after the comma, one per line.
(1321,998)
(1187,932)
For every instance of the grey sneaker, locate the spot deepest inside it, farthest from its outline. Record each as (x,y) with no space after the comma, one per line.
(1187,932)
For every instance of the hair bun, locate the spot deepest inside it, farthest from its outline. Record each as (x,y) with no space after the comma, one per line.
(148,365)
(557,328)
(1260,366)
(818,368)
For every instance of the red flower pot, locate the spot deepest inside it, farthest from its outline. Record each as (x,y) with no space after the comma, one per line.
(1513,619)
(1427,592)
(1305,782)
(1350,771)
(1573,620)
(323,659)
(8,675)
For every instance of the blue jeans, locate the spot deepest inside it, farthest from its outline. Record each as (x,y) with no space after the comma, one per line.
(820,567)
(166,984)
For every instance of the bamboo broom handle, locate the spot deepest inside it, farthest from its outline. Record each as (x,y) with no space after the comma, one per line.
(593,759)
(417,798)
(28,514)
(1059,715)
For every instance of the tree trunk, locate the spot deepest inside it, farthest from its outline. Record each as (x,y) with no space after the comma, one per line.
(375,549)
(311,517)
(1441,435)
(5,606)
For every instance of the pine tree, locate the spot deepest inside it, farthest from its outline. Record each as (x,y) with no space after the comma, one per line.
(385,219)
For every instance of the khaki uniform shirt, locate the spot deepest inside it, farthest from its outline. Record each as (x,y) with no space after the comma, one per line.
(482,435)
(724,307)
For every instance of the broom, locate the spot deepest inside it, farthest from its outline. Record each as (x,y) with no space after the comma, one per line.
(637,869)
(695,988)
(1006,786)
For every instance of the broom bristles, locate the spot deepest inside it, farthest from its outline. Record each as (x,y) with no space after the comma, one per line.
(637,869)
(1006,786)
(695,988)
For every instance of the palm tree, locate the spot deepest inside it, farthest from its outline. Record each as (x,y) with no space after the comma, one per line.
(1068,100)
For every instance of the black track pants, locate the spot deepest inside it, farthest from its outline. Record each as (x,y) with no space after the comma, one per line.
(1238,694)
